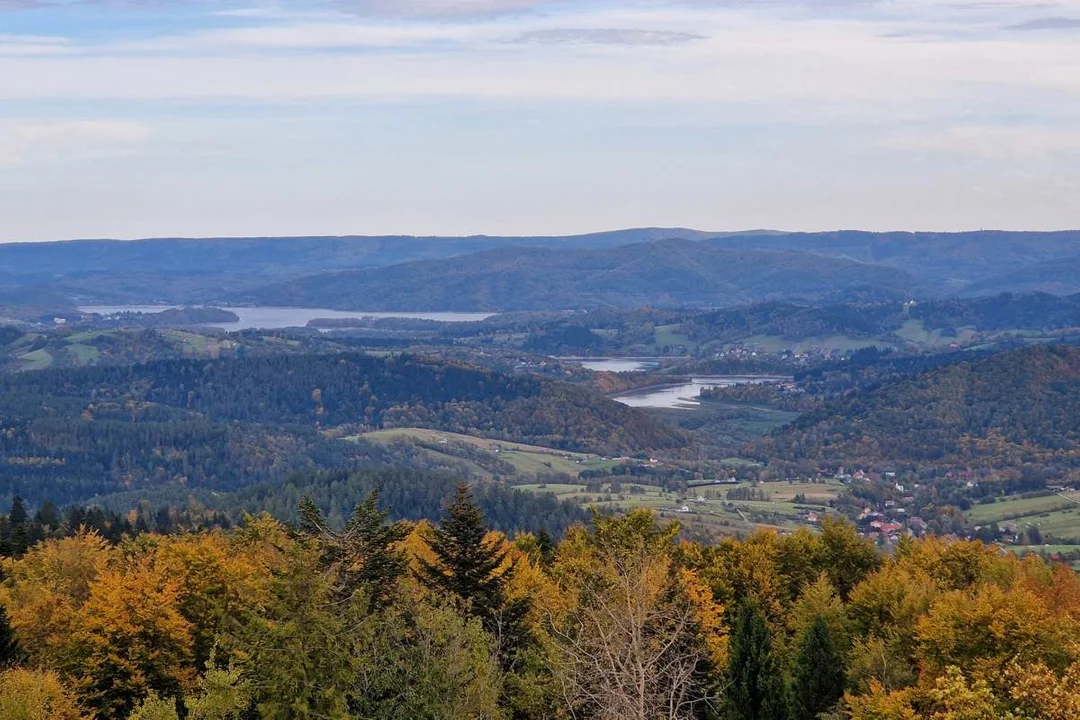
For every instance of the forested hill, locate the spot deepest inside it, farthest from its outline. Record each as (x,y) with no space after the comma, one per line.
(665,273)
(1012,409)
(795,321)
(949,261)
(222,424)
(187,270)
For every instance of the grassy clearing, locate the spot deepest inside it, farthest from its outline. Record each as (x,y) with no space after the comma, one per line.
(1047,551)
(83,354)
(671,335)
(837,343)
(1056,516)
(36,359)
(191,341)
(1013,508)
(526,459)
(706,508)
(915,332)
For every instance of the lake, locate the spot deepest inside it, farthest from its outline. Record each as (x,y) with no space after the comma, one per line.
(617,364)
(685,395)
(274,318)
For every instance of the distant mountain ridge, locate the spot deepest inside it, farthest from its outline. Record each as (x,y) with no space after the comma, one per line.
(665,273)
(191,271)
(950,260)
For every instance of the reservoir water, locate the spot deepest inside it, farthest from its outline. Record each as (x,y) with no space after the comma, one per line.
(275,318)
(619,364)
(685,395)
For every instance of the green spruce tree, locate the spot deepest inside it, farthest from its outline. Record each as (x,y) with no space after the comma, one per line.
(466,565)
(819,673)
(361,556)
(18,521)
(756,687)
(467,568)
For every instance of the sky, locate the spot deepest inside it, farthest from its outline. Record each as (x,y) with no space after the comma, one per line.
(151,118)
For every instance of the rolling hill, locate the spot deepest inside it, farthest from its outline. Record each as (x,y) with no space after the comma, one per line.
(949,261)
(1060,276)
(1012,409)
(223,424)
(665,273)
(186,270)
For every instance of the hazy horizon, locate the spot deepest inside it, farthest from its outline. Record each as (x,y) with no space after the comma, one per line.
(211,238)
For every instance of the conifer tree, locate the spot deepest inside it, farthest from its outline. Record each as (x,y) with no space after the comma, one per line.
(467,568)
(467,563)
(819,674)
(363,554)
(756,689)
(17,520)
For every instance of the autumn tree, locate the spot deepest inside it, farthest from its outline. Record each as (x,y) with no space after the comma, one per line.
(628,648)
(36,695)
(129,639)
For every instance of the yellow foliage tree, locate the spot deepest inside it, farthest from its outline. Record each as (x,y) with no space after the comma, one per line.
(45,590)
(130,638)
(29,695)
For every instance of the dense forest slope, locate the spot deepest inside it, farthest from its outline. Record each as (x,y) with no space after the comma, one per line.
(664,273)
(797,321)
(68,435)
(1010,409)
(1060,276)
(949,260)
(47,275)
(182,270)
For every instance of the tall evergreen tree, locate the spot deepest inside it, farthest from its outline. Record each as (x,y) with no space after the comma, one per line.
(466,563)
(819,673)
(363,554)
(467,568)
(17,520)
(756,688)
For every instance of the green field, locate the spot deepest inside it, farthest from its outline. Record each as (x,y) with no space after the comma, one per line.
(914,332)
(36,359)
(83,354)
(1056,516)
(707,507)
(671,335)
(530,460)
(1012,508)
(838,343)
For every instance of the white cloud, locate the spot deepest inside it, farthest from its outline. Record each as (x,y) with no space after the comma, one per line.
(24,142)
(34,45)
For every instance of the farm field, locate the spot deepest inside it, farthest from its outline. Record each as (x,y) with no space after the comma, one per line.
(706,508)
(526,459)
(1056,516)
(836,343)
(1014,507)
